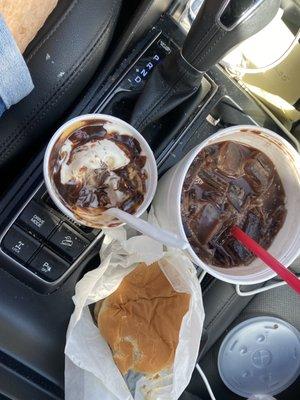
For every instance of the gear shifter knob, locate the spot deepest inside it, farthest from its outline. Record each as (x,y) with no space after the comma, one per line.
(221,25)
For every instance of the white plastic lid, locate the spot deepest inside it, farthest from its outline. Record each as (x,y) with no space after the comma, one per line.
(260,356)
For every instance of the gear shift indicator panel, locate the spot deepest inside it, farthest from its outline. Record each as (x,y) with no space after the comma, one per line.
(145,71)
(122,100)
(143,68)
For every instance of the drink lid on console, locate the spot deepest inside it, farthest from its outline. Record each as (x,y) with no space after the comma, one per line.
(260,356)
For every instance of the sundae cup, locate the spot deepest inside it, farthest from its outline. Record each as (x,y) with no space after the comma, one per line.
(95,162)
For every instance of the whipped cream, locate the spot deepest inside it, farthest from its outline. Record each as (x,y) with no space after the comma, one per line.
(102,154)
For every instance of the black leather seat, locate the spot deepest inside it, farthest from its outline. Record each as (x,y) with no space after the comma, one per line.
(62,59)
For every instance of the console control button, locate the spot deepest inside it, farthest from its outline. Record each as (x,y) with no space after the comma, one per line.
(38,219)
(67,241)
(48,265)
(19,244)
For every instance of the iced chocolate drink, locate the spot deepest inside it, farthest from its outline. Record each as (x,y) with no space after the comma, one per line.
(97,166)
(229,183)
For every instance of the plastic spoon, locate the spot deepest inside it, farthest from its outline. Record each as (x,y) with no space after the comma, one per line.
(290,278)
(167,238)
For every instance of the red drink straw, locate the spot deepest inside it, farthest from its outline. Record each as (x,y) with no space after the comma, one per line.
(290,278)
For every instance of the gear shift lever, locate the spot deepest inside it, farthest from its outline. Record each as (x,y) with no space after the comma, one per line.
(221,25)
(218,28)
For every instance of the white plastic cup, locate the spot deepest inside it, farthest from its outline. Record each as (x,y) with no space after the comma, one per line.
(286,244)
(121,127)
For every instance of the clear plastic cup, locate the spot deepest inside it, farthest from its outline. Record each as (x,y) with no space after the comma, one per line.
(120,126)
(286,244)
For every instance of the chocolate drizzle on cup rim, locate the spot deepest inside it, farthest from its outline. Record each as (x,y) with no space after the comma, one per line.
(95,165)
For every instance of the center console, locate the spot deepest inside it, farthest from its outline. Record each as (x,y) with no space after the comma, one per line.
(43,253)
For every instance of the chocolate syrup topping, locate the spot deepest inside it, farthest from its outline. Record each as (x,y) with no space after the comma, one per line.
(229,183)
(95,189)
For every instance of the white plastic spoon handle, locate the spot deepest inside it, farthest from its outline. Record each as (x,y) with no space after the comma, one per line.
(165,237)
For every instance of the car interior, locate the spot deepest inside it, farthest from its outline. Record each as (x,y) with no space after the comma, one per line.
(163,66)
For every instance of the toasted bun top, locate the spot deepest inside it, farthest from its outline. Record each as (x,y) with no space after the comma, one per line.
(141,320)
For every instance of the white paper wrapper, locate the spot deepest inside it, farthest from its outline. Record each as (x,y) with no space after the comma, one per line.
(90,371)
